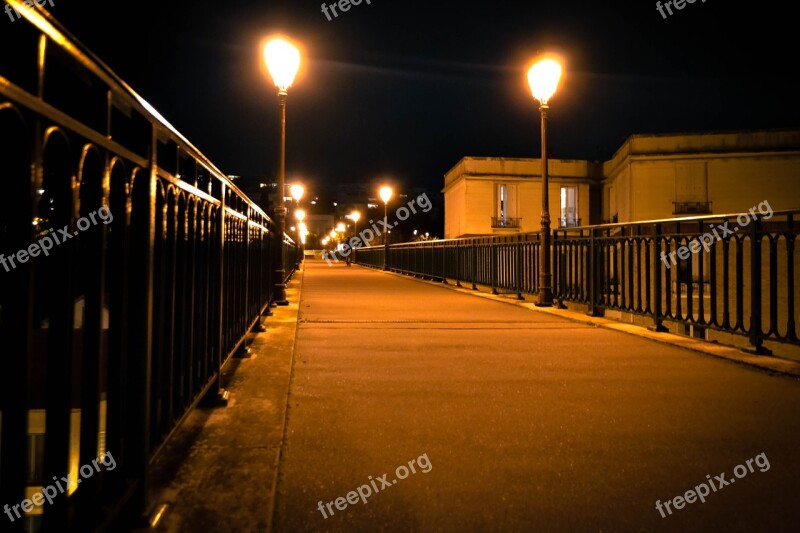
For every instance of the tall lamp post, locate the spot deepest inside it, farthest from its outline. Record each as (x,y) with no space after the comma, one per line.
(297,192)
(300,215)
(543,78)
(283,60)
(386,195)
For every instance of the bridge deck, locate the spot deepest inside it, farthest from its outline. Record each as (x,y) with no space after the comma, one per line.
(525,421)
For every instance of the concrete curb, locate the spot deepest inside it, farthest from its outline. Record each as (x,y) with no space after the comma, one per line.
(294,303)
(770,364)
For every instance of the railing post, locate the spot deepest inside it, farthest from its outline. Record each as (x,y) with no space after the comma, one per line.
(592,275)
(493,263)
(559,263)
(442,250)
(139,369)
(657,314)
(791,331)
(217,396)
(756,334)
(474,247)
(520,267)
(458,265)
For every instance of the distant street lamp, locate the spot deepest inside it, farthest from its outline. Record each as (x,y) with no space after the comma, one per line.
(283,60)
(303,232)
(297,191)
(355,216)
(386,195)
(300,215)
(543,78)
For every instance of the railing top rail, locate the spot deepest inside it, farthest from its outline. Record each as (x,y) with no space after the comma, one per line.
(533,235)
(58,34)
(673,220)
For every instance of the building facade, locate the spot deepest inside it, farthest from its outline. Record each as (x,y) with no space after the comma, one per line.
(650,177)
(490,195)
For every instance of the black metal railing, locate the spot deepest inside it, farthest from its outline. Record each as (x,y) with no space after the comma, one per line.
(739,278)
(569,222)
(506,222)
(132,270)
(691,208)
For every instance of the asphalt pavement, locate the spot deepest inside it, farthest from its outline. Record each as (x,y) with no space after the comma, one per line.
(414,407)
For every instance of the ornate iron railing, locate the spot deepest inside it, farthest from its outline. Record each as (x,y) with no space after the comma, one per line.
(506,222)
(111,337)
(739,277)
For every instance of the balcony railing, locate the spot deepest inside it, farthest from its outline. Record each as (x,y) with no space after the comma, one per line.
(691,208)
(569,222)
(506,222)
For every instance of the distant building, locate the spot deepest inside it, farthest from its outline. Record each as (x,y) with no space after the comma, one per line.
(649,177)
(495,195)
(661,176)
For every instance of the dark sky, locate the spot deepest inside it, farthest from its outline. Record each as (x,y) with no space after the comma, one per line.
(404,89)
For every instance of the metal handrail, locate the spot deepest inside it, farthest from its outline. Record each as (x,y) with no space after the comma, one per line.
(144,310)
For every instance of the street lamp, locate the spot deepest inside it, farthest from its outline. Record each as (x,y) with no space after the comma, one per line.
(297,191)
(543,78)
(283,60)
(303,232)
(386,195)
(355,216)
(300,215)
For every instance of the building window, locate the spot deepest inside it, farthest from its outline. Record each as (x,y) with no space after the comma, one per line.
(505,211)
(569,207)
(691,189)
(506,201)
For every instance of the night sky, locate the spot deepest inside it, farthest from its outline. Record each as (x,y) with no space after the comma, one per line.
(404,89)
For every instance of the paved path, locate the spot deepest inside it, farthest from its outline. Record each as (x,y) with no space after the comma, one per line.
(524,421)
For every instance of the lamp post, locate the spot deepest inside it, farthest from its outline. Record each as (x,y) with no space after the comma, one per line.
(303,232)
(283,60)
(297,192)
(543,78)
(386,195)
(300,215)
